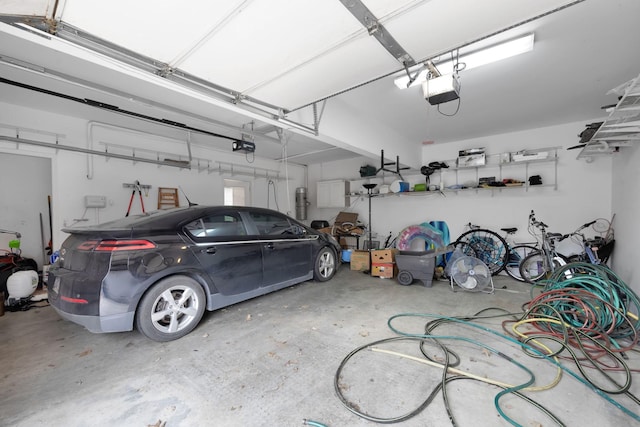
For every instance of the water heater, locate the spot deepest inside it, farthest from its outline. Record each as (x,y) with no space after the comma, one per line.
(301,203)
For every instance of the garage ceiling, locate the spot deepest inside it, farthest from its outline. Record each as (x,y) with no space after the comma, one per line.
(312,70)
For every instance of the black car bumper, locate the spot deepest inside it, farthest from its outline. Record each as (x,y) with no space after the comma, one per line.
(99,324)
(81,299)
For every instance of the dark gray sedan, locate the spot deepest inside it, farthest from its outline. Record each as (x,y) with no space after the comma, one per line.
(160,271)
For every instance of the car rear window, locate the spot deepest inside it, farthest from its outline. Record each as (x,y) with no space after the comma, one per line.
(217,225)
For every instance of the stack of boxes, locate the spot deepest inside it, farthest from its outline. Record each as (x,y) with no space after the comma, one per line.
(380,262)
(383,263)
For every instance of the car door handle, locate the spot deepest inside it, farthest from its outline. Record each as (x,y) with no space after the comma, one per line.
(269,246)
(210,250)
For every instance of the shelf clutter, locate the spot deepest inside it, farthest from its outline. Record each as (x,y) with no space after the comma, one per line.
(475,170)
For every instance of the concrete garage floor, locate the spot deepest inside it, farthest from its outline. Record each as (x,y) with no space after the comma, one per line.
(271,362)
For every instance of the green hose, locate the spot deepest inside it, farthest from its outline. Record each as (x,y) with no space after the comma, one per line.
(601,393)
(313,423)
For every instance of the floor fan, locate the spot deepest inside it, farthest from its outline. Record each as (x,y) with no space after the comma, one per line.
(470,274)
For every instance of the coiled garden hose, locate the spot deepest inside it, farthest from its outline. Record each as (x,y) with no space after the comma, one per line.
(583,308)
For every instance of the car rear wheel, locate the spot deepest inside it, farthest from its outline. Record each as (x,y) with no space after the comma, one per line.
(325,266)
(171,309)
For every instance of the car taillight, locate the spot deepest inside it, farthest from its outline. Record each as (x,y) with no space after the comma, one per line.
(116,245)
(74,300)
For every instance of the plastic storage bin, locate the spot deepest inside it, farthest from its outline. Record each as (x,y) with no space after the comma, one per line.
(416,266)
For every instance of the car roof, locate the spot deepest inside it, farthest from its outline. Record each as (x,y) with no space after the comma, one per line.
(165,219)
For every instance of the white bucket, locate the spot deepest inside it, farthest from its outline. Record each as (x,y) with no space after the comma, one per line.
(22,284)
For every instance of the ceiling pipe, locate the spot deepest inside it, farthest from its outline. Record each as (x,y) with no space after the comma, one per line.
(56,146)
(90,142)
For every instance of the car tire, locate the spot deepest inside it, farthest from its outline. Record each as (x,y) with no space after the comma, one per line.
(182,301)
(325,265)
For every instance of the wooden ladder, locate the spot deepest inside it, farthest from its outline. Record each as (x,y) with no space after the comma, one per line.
(168,198)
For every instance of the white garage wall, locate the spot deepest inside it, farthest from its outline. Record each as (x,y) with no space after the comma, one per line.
(607,186)
(584,190)
(70,182)
(626,205)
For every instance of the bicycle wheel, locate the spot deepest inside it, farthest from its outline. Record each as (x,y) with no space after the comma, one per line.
(535,266)
(516,255)
(466,249)
(489,246)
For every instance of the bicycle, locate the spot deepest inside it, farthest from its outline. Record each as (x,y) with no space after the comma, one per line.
(494,250)
(540,264)
(596,250)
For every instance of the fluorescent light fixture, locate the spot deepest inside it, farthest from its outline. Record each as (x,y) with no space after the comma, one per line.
(474,59)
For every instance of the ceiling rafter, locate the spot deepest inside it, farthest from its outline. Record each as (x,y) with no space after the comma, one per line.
(341,43)
(176,62)
(378,31)
(429,58)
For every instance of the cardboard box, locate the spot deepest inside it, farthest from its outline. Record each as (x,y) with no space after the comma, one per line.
(386,270)
(360,260)
(346,217)
(343,243)
(383,256)
(328,230)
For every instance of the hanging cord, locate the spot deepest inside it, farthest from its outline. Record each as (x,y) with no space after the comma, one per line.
(457,66)
(286,175)
(284,140)
(455,112)
(275,194)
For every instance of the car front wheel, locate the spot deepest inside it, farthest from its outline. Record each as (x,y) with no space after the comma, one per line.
(325,266)
(171,309)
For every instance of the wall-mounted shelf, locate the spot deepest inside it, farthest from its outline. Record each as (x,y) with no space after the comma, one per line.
(543,161)
(622,126)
